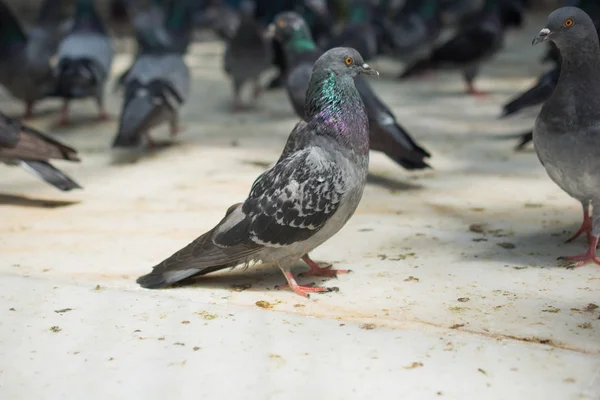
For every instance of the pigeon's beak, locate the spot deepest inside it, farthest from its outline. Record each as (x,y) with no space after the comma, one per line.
(367,70)
(269,32)
(542,36)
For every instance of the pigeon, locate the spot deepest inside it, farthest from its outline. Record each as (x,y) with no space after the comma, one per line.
(31,149)
(413,30)
(566,131)
(156,87)
(468,49)
(304,199)
(386,135)
(539,93)
(84,60)
(247,55)
(25,69)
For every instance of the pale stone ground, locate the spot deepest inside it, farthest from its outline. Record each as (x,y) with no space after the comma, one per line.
(433,309)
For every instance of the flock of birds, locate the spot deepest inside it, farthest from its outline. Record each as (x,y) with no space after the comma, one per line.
(321,49)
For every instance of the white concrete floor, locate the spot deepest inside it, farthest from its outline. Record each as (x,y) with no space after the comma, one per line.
(433,309)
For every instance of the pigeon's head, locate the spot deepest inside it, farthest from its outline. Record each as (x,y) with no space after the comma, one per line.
(343,61)
(287,26)
(567,26)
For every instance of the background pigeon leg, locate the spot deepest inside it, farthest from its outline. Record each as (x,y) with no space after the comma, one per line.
(102,114)
(28,110)
(151,142)
(64,114)
(325,271)
(257,90)
(470,74)
(303,291)
(174,126)
(237,99)
(586,225)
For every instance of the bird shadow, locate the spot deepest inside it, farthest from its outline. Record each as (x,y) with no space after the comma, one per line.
(22,201)
(125,157)
(257,278)
(389,183)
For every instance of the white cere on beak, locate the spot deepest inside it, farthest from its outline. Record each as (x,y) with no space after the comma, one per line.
(545,31)
(365,65)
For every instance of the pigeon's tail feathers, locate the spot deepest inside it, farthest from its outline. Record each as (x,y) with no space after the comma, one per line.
(87,18)
(204,256)
(397,144)
(416,69)
(143,108)
(525,139)
(76,78)
(50,174)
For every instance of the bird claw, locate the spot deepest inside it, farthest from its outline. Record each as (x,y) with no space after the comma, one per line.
(325,271)
(306,290)
(478,93)
(580,260)
(103,116)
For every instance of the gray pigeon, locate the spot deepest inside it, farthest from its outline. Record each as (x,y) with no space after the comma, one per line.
(247,55)
(304,199)
(84,60)
(24,146)
(385,133)
(25,68)
(566,132)
(156,86)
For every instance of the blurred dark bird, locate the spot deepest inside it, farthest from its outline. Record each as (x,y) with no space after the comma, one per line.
(247,55)
(472,45)
(453,12)
(32,150)
(412,32)
(360,32)
(157,84)
(304,199)
(385,134)
(539,93)
(25,68)
(84,60)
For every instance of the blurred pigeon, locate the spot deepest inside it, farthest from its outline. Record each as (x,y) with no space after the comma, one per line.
(247,55)
(413,30)
(25,68)
(475,43)
(359,32)
(453,12)
(525,138)
(84,60)
(539,93)
(24,146)
(156,87)
(386,135)
(566,132)
(304,199)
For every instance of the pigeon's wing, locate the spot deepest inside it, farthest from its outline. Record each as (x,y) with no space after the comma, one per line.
(292,201)
(466,46)
(11,31)
(297,85)
(9,132)
(34,145)
(539,93)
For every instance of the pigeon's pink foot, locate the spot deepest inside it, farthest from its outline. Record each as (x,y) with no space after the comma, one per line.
(176,130)
(586,226)
(103,116)
(28,111)
(582,259)
(427,75)
(151,142)
(303,291)
(64,116)
(325,271)
(238,106)
(256,92)
(475,92)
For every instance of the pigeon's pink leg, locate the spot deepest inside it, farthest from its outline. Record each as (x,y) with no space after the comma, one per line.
(257,91)
(64,115)
(589,255)
(325,271)
(103,116)
(303,291)
(28,110)
(586,226)
(475,92)
(151,143)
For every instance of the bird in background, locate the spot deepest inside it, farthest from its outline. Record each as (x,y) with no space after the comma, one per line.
(25,69)
(301,52)
(304,199)
(566,134)
(84,61)
(158,82)
(26,147)
(247,55)
(473,44)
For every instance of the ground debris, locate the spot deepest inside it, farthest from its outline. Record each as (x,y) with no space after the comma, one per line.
(456,326)
(411,279)
(64,310)
(368,327)
(507,245)
(206,315)
(240,288)
(482,371)
(55,329)
(414,365)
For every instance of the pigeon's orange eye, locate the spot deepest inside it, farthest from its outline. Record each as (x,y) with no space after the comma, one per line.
(348,60)
(568,23)
(281,23)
